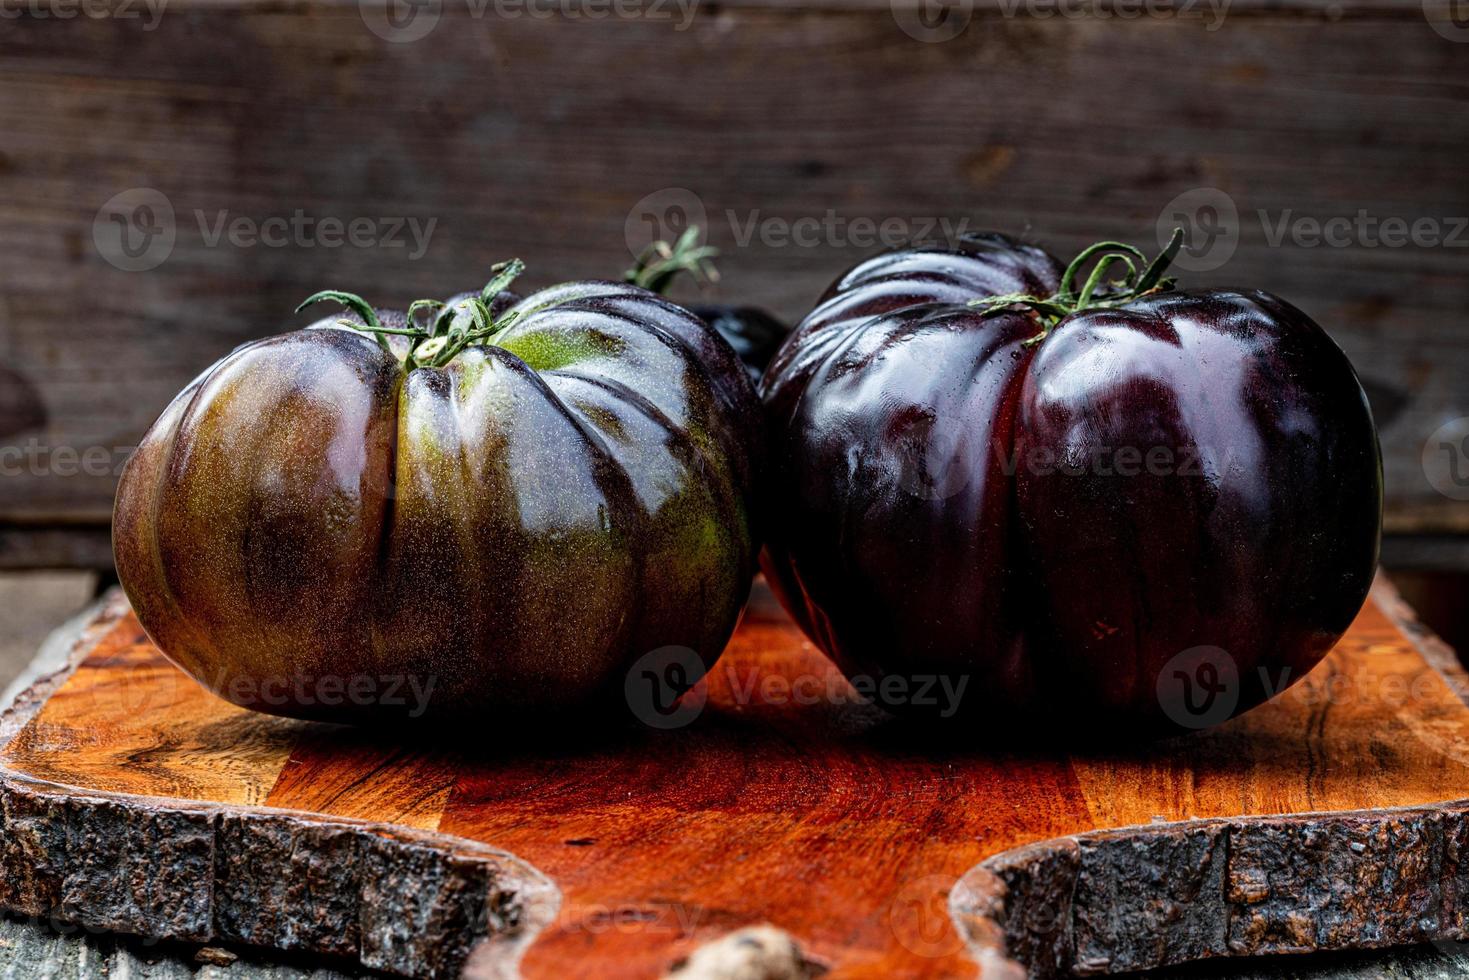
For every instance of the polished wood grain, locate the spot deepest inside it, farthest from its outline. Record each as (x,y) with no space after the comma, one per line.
(871,843)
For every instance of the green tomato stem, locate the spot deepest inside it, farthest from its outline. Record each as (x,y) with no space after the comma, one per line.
(357,305)
(1068,300)
(451,330)
(501,276)
(660,263)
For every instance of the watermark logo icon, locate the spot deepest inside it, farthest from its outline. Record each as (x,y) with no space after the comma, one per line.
(933,461)
(660,688)
(1448,18)
(1210,223)
(401,21)
(919,917)
(1446,459)
(663,216)
(135,231)
(932,21)
(140,687)
(1199,688)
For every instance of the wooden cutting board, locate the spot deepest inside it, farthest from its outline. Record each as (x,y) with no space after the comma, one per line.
(1333,817)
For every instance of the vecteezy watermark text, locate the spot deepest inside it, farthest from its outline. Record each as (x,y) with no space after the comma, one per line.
(1211,12)
(667,213)
(661,690)
(934,21)
(301,230)
(1213,225)
(136,230)
(1363,229)
(938,465)
(149,11)
(411,692)
(35,458)
(406,21)
(832,230)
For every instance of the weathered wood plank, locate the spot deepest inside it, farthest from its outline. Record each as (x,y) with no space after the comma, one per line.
(74,545)
(547,138)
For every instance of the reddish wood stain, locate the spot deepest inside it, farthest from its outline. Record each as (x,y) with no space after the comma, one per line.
(821,818)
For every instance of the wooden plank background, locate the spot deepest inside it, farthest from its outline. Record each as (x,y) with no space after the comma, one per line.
(550,138)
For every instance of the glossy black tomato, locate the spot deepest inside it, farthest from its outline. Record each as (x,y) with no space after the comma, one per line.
(1067,500)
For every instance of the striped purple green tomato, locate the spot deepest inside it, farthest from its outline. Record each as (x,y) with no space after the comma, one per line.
(374,518)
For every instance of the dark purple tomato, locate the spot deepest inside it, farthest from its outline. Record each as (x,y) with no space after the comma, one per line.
(754,334)
(1153,507)
(379,517)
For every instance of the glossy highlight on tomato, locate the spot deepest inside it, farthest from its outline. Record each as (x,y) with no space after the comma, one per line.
(1114,501)
(506,507)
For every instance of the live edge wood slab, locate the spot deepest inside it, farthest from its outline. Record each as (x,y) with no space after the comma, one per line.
(1334,817)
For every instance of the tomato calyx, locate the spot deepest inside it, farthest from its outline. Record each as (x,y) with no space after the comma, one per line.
(437,340)
(659,263)
(1098,291)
